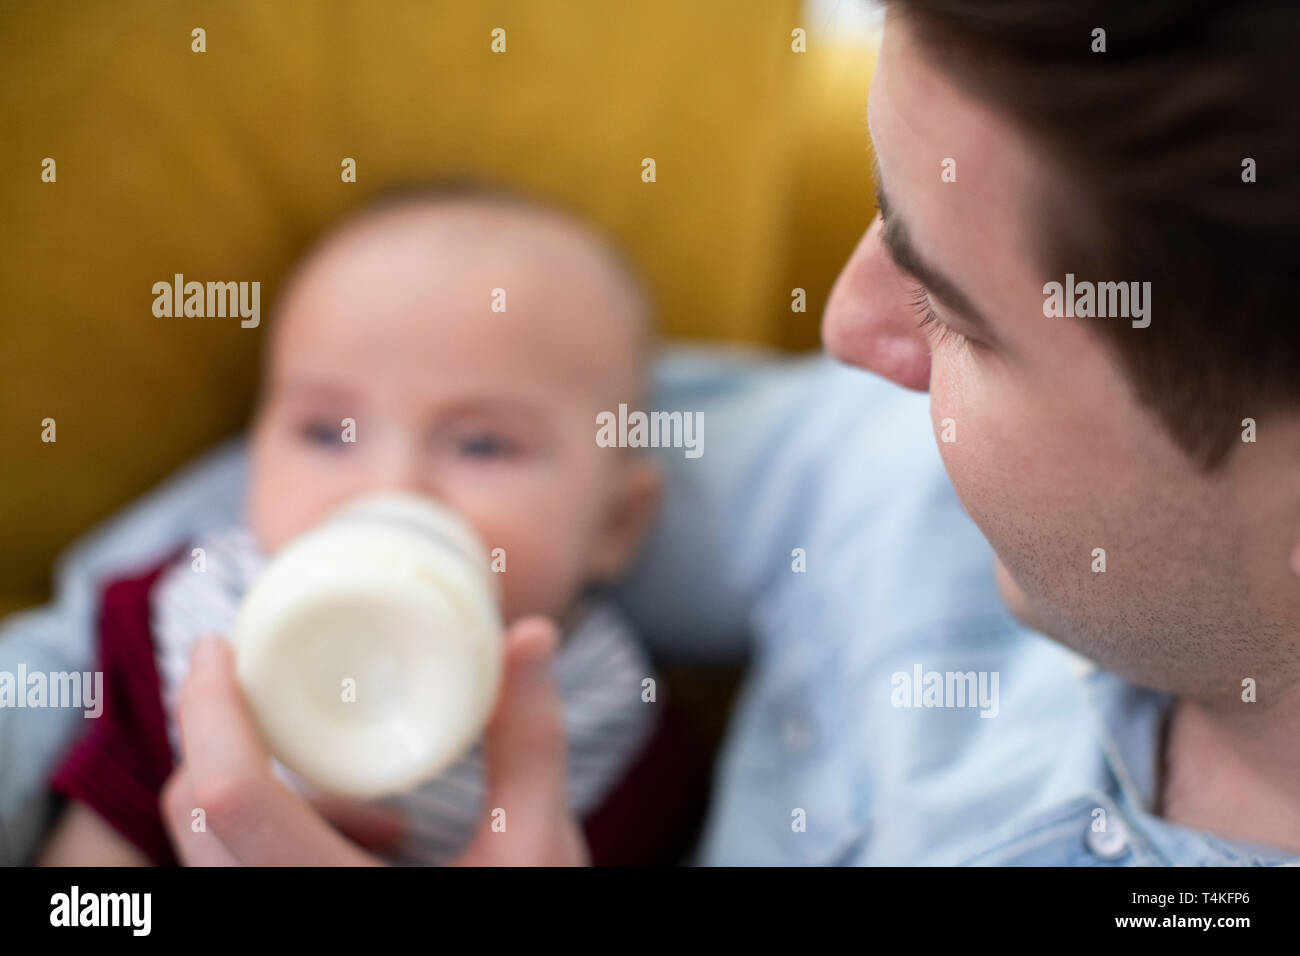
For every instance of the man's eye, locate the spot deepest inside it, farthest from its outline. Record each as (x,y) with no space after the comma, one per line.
(929,322)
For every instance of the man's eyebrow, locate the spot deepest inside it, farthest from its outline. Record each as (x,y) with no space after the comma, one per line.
(899,246)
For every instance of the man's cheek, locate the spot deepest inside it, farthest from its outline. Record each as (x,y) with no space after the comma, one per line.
(974,482)
(1014,597)
(987,443)
(959,394)
(960,416)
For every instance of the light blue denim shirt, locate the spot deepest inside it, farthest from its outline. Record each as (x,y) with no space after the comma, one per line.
(823,763)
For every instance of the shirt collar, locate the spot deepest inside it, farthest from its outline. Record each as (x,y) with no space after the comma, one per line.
(1132,723)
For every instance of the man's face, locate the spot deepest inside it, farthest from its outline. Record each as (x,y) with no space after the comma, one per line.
(1052,457)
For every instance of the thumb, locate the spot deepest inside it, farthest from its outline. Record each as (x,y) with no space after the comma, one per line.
(525,757)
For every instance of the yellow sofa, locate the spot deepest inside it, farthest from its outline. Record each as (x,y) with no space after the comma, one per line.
(222,164)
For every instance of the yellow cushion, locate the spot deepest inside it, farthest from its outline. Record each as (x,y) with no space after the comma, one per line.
(830,198)
(222,165)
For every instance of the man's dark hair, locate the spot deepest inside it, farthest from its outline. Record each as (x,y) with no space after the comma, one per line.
(1149,138)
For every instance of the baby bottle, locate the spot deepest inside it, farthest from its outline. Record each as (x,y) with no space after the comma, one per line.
(370,648)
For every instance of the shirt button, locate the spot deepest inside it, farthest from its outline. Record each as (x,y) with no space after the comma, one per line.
(1110,843)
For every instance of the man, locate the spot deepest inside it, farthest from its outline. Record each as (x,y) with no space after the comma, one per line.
(1136,475)
(895,712)
(1172,443)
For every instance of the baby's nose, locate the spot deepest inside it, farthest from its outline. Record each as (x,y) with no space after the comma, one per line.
(400,469)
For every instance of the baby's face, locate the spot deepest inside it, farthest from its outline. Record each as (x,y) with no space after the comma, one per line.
(491,413)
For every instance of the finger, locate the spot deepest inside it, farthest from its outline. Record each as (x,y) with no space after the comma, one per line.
(219,736)
(193,843)
(257,817)
(524,747)
(525,758)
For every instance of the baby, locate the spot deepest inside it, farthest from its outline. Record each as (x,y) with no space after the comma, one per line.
(459,345)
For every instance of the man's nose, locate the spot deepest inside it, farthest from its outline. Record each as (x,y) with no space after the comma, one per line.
(871,318)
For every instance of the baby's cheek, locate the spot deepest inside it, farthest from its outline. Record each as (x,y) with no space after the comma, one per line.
(265,519)
(285,501)
(540,578)
(527,558)
(274,515)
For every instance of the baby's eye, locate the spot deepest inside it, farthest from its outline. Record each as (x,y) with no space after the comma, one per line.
(484,445)
(322,433)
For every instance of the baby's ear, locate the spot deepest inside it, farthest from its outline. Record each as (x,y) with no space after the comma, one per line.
(632,506)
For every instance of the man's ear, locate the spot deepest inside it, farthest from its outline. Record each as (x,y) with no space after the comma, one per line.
(633,505)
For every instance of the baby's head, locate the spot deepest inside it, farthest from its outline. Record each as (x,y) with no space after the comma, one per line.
(473,338)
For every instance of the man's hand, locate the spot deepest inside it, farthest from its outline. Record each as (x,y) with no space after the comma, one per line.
(253,818)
